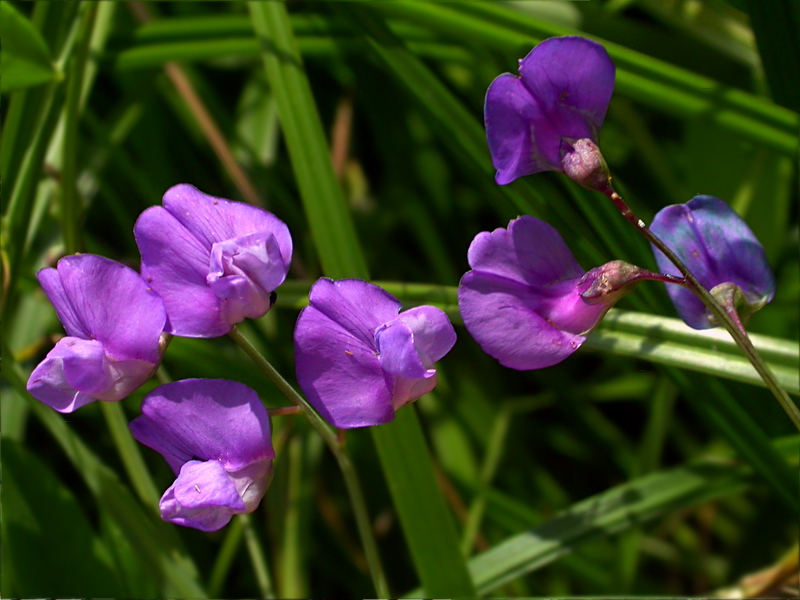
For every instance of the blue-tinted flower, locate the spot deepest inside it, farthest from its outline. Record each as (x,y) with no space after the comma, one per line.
(723,254)
(213,261)
(114,326)
(527,302)
(215,436)
(548,118)
(358,360)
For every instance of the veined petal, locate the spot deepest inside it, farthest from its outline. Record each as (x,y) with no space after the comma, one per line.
(100,299)
(339,371)
(209,419)
(359,307)
(433,334)
(529,251)
(406,390)
(512,118)
(213,219)
(175,263)
(718,247)
(48,382)
(202,497)
(243,273)
(498,314)
(397,353)
(573,80)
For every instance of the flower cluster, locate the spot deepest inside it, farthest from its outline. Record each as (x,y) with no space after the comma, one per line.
(526,300)
(208,263)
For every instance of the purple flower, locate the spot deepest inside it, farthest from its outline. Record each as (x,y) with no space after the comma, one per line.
(114,324)
(213,261)
(721,251)
(548,118)
(358,360)
(527,302)
(215,436)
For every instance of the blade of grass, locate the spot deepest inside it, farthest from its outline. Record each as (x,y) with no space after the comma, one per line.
(76,68)
(776,25)
(710,397)
(643,78)
(326,209)
(426,522)
(456,122)
(157,542)
(612,512)
(661,340)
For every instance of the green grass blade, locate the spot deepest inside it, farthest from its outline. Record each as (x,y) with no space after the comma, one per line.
(776,25)
(710,397)
(157,542)
(660,340)
(429,527)
(410,476)
(326,210)
(669,342)
(610,513)
(25,61)
(643,78)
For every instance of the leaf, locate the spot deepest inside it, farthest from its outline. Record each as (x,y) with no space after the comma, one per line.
(25,60)
(610,513)
(35,505)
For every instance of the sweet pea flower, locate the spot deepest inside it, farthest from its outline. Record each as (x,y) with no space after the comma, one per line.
(214,262)
(114,326)
(548,118)
(527,302)
(358,360)
(722,253)
(215,436)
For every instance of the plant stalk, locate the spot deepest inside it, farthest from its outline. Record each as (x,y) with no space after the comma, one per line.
(734,327)
(339,451)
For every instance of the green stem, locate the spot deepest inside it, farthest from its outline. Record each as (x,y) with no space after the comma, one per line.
(342,457)
(738,333)
(222,565)
(494,451)
(129,453)
(70,202)
(257,557)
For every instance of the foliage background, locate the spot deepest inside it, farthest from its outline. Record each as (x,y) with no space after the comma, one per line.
(693,476)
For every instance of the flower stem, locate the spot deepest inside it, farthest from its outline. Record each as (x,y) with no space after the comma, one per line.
(724,318)
(257,557)
(338,449)
(129,453)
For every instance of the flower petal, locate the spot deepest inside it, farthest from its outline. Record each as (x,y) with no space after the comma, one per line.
(717,246)
(202,497)
(397,353)
(338,371)
(573,80)
(243,273)
(434,335)
(85,365)
(512,117)
(359,307)
(101,299)
(406,390)
(497,313)
(175,264)
(530,252)
(212,219)
(206,419)
(48,382)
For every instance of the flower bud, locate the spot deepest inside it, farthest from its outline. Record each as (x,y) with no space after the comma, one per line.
(608,283)
(583,162)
